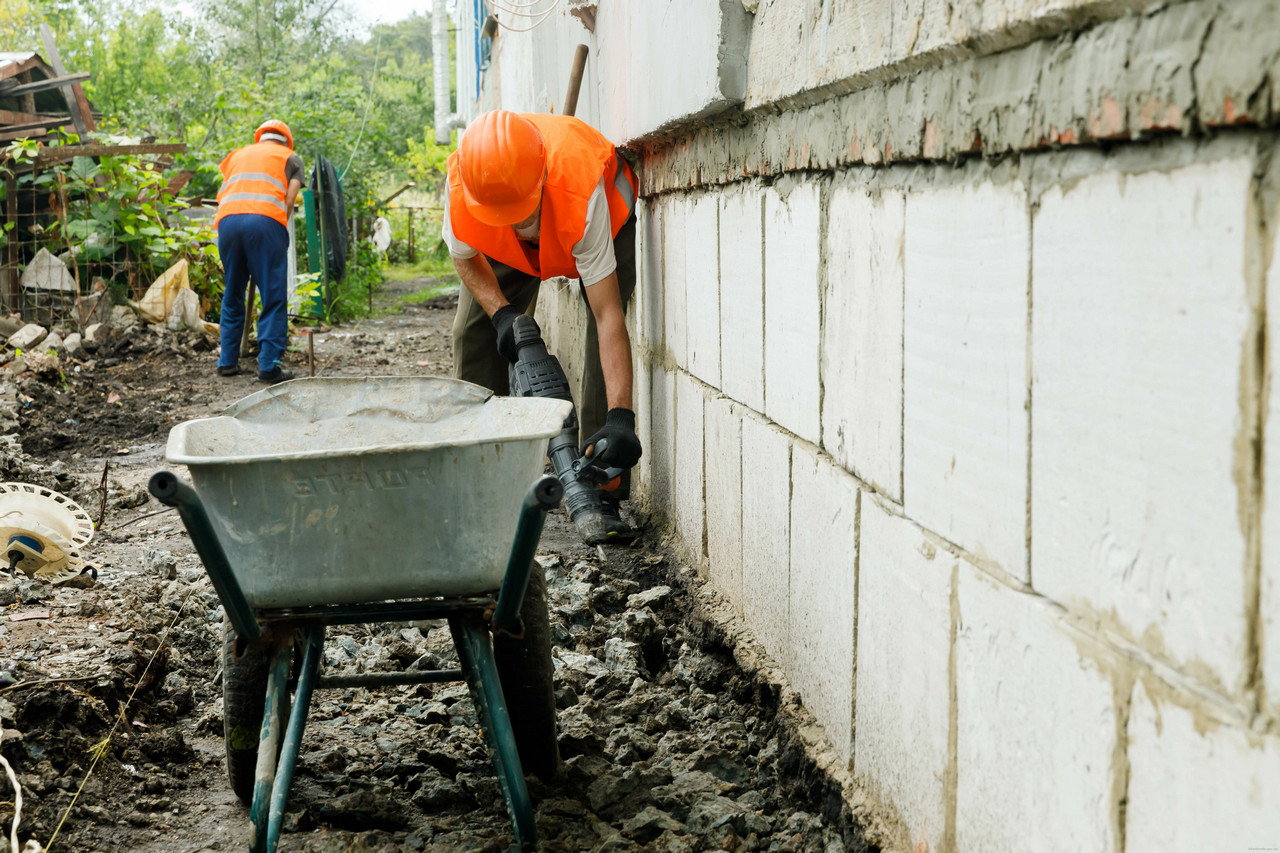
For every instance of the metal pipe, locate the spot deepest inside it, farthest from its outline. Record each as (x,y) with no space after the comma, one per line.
(543,496)
(440,71)
(293,734)
(264,773)
(389,611)
(389,679)
(575,80)
(171,491)
(413,257)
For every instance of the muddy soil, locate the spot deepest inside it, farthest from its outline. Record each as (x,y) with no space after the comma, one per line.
(111,696)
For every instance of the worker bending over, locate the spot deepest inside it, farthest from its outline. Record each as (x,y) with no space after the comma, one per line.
(532,197)
(260,184)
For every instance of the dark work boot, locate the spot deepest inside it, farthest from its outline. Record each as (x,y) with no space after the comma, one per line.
(274,375)
(616,530)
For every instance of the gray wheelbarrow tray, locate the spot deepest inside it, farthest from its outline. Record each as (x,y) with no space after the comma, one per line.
(338,501)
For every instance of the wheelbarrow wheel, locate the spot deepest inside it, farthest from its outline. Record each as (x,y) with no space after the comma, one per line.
(244,693)
(525,670)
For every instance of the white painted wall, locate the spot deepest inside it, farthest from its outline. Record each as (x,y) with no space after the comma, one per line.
(653,64)
(978,452)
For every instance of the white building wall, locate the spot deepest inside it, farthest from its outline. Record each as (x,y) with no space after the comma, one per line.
(1138,347)
(1002,426)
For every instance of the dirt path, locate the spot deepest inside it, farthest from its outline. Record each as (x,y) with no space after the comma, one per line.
(669,746)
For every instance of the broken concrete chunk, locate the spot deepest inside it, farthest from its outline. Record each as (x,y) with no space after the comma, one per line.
(648,598)
(362,810)
(123,318)
(622,658)
(649,824)
(28,336)
(578,738)
(52,342)
(162,563)
(73,346)
(587,664)
(9,325)
(95,336)
(45,272)
(43,363)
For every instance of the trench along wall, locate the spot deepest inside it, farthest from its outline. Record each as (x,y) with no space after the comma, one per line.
(976,446)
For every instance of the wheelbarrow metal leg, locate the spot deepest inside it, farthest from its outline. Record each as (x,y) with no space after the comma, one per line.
(476,655)
(293,734)
(269,741)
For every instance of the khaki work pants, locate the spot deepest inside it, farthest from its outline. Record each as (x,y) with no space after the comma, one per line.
(475,343)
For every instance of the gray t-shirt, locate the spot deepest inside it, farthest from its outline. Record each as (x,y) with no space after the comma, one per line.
(593,254)
(293,168)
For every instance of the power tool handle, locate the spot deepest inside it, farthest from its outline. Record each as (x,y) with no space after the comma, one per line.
(588,467)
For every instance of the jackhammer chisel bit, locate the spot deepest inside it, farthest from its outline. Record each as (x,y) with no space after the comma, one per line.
(537,373)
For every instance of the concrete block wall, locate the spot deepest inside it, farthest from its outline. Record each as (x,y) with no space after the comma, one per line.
(1038,388)
(979,448)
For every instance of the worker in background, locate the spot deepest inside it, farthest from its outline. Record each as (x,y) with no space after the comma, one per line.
(532,197)
(260,184)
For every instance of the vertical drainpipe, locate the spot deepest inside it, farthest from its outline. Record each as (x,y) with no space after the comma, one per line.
(440,63)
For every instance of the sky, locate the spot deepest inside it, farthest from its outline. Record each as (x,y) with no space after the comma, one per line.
(370,12)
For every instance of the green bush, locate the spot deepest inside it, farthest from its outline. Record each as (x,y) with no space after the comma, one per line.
(119,220)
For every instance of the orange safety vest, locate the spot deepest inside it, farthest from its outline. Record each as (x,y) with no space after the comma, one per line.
(578,156)
(253,182)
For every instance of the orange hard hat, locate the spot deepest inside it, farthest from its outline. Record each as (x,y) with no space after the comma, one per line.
(502,159)
(274,125)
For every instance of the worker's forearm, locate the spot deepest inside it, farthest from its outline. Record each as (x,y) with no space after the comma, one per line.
(615,348)
(615,361)
(291,194)
(477,276)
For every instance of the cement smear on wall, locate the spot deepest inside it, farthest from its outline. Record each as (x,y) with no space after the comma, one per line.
(1183,69)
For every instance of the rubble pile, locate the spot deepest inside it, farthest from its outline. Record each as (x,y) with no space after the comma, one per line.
(46,353)
(668,746)
(88,666)
(59,386)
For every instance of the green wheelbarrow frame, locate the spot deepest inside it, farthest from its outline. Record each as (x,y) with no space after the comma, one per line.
(473,621)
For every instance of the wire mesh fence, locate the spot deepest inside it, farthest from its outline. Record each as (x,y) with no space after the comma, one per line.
(82,232)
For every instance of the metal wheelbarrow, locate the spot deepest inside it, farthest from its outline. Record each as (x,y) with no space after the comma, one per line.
(341,501)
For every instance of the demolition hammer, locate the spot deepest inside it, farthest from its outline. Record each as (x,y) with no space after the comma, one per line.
(537,373)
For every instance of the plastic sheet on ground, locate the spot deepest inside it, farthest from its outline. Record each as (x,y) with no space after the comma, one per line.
(171,296)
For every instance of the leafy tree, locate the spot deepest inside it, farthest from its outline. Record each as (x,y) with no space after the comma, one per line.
(18,25)
(208,76)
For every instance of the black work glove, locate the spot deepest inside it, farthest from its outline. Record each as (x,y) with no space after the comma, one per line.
(504,320)
(621,447)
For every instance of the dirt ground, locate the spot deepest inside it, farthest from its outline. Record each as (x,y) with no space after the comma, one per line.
(110,696)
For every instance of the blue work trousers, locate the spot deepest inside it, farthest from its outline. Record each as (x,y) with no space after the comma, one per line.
(258,246)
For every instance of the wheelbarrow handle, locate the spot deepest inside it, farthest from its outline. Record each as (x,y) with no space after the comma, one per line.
(543,496)
(171,491)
